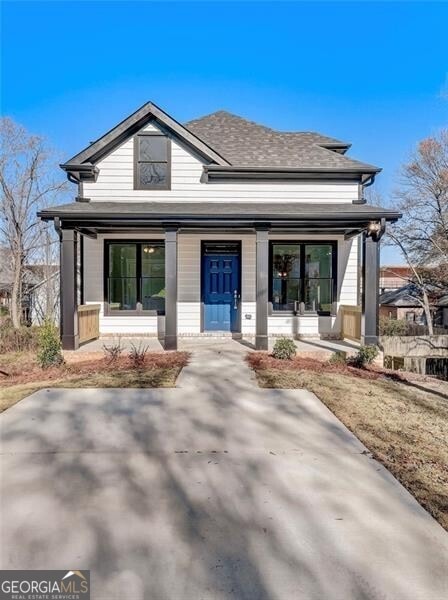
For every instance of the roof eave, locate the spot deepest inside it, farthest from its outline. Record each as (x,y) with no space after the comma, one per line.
(129,126)
(352,218)
(216,172)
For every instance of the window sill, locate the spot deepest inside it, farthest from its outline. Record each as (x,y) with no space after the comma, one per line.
(133,313)
(286,313)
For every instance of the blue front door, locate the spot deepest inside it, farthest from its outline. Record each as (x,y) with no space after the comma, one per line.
(221,292)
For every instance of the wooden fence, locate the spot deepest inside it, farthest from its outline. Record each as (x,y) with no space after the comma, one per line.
(88,322)
(351,322)
(415,346)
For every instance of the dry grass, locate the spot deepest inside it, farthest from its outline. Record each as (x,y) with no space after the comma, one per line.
(403,422)
(25,376)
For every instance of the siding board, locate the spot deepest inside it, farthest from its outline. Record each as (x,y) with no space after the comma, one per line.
(115,181)
(189,287)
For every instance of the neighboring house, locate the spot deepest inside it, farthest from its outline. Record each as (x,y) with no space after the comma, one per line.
(394,277)
(40,290)
(441,317)
(219,225)
(43,297)
(402,303)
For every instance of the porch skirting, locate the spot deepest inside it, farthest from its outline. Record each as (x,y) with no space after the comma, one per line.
(303,326)
(224,334)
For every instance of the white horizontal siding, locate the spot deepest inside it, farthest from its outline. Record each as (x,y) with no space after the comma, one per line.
(189,280)
(306,326)
(94,289)
(116,182)
(189,287)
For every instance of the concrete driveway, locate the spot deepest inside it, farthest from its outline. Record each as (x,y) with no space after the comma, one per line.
(213,490)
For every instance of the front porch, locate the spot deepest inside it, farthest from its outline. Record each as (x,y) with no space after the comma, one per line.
(269,271)
(320,349)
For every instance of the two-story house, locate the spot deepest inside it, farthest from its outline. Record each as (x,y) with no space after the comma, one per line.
(217,226)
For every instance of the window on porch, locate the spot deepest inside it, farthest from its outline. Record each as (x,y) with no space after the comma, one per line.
(303,276)
(135,281)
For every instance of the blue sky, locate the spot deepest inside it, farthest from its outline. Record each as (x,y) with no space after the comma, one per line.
(375,74)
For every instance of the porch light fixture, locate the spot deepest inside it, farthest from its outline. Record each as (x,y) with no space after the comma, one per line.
(148,249)
(374,227)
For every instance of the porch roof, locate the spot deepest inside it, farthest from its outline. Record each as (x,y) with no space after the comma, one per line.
(249,212)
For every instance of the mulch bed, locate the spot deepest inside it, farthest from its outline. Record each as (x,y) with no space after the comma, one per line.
(18,374)
(263,361)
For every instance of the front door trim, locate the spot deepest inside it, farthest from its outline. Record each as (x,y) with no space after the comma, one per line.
(238,248)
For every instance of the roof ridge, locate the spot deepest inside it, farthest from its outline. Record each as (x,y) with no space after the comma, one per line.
(222,111)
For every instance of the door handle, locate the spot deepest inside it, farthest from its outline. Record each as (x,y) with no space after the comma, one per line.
(235,299)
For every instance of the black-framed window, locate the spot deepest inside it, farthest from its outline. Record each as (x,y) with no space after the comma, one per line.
(135,277)
(152,161)
(303,276)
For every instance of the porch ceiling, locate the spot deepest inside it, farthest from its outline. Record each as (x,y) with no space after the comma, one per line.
(337,218)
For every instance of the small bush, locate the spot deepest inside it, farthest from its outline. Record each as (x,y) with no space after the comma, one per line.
(393,326)
(49,352)
(113,352)
(17,340)
(338,358)
(137,355)
(365,356)
(284,349)
(3,310)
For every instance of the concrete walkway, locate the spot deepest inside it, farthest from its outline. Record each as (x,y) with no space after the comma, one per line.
(215,490)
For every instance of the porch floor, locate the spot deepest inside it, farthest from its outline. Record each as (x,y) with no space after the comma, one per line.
(308,346)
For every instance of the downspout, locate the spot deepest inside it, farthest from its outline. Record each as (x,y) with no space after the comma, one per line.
(57,227)
(361,186)
(80,197)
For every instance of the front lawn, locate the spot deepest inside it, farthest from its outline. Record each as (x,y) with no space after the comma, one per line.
(402,420)
(21,376)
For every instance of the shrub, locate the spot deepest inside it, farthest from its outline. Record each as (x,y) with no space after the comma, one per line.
(365,356)
(338,358)
(393,326)
(17,340)
(284,349)
(113,352)
(49,352)
(137,355)
(3,311)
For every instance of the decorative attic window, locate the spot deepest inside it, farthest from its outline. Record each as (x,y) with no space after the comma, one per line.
(152,162)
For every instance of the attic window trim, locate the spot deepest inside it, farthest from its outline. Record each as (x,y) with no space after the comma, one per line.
(137,161)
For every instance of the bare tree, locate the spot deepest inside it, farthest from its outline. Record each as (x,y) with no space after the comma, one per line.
(422,234)
(28,181)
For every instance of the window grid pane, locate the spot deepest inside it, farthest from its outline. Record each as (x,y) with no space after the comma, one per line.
(153,148)
(122,293)
(122,260)
(153,174)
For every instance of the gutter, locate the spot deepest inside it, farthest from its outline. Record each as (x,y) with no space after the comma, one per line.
(352,217)
(79,173)
(219,172)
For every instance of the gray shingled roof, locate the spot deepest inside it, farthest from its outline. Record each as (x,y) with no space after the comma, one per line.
(244,143)
(405,296)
